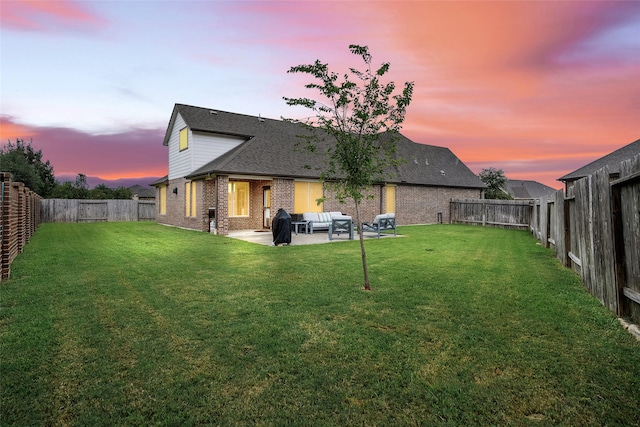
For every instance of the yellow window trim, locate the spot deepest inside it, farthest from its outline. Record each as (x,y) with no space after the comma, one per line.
(163,200)
(305,194)
(190,202)
(184,139)
(390,199)
(239,199)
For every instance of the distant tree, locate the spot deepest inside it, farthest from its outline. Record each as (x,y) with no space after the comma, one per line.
(496,183)
(64,190)
(80,190)
(25,165)
(72,190)
(363,115)
(81,187)
(101,191)
(122,193)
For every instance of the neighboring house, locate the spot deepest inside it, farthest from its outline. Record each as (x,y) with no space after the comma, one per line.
(612,160)
(143,193)
(525,189)
(233,172)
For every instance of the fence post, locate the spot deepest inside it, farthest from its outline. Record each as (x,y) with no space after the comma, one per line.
(567,231)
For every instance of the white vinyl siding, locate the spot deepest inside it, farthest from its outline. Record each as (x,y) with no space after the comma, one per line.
(203,148)
(207,147)
(179,161)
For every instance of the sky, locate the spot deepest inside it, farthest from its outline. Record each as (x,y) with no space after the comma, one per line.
(535,88)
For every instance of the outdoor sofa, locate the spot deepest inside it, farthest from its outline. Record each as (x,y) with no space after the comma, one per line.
(322,220)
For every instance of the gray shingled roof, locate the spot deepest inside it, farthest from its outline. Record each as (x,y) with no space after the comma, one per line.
(273,148)
(525,189)
(142,191)
(612,160)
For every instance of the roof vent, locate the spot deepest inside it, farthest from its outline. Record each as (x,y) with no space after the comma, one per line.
(260,119)
(441,172)
(415,160)
(213,112)
(426,162)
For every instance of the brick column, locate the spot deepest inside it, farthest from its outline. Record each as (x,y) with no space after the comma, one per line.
(282,195)
(222,208)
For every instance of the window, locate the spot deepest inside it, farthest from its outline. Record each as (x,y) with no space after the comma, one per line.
(163,200)
(190,199)
(305,196)
(390,199)
(184,139)
(238,198)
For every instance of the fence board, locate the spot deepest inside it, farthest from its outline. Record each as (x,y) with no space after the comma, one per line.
(500,213)
(629,190)
(603,261)
(74,210)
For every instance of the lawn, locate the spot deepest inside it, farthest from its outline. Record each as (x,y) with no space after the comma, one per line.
(141,324)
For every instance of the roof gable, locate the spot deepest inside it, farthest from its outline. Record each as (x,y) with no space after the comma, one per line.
(526,189)
(612,160)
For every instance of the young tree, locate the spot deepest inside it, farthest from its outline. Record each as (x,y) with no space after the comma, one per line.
(25,165)
(361,115)
(495,182)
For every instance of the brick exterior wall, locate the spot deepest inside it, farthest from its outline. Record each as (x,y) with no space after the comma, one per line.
(414,205)
(421,205)
(176,207)
(369,207)
(282,191)
(256,205)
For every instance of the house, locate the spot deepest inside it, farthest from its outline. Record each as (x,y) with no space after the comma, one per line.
(142,193)
(612,160)
(521,189)
(232,171)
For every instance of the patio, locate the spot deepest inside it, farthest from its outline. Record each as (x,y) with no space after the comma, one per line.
(266,237)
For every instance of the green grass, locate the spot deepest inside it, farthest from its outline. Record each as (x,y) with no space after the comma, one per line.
(140,324)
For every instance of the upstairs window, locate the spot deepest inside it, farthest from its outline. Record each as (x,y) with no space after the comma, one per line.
(184,139)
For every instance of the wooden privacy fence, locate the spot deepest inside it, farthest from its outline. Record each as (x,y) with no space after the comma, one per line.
(75,210)
(496,213)
(19,217)
(596,231)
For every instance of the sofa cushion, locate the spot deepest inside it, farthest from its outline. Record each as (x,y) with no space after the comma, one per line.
(311,216)
(381,216)
(324,216)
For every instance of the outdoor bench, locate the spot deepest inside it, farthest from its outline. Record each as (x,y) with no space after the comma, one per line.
(381,223)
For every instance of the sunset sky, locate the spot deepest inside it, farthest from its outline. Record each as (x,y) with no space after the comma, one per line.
(537,89)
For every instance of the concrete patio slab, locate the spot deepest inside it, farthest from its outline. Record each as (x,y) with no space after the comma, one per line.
(266,237)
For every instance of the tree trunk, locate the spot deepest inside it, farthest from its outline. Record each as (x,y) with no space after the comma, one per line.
(367,285)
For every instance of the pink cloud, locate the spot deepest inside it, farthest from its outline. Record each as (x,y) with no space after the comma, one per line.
(47,15)
(500,83)
(130,154)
